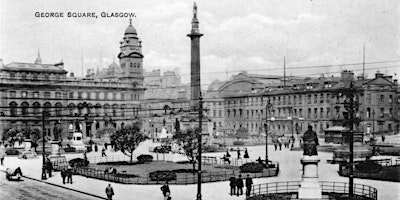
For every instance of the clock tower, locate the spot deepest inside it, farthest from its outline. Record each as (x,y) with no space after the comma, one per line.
(131,57)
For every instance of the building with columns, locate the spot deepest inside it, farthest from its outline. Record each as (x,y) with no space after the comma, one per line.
(74,103)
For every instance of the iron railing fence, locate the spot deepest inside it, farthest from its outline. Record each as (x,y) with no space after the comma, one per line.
(291,188)
(182,178)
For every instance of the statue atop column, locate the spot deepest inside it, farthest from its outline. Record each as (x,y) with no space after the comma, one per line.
(310,142)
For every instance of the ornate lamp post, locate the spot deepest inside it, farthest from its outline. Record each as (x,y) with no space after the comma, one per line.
(199,151)
(268,106)
(44,115)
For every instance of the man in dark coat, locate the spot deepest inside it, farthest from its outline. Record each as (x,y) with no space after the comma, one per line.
(49,165)
(249,183)
(165,190)
(239,185)
(109,192)
(232,184)
(63,174)
(310,142)
(69,174)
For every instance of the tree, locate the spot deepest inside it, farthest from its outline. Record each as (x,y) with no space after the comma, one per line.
(242,133)
(58,132)
(12,132)
(128,139)
(189,142)
(33,134)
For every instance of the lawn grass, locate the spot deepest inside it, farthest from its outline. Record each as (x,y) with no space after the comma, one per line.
(143,170)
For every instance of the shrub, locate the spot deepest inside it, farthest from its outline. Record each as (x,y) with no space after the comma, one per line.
(162,176)
(78,162)
(12,152)
(184,171)
(69,149)
(251,168)
(238,143)
(368,167)
(144,158)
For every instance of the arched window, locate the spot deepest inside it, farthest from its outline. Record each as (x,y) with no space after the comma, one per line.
(114,110)
(89,108)
(36,108)
(122,110)
(71,108)
(97,108)
(47,108)
(24,108)
(13,109)
(58,109)
(106,109)
(80,109)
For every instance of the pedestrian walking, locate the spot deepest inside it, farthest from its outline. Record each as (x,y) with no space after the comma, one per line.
(246,154)
(239,185)
(2,153)
(109,192)
(105,145)
(96,148)
(84,155)
(165,191)
(227,154)
(232,184)
(280,143)
(103,152)
(238,153)
(69,174)
(249,183)
(276,145)
(63,174)
(49,165)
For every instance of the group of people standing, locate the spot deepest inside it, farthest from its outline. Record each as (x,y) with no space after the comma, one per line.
(237,184)
(67,173)
(282,140)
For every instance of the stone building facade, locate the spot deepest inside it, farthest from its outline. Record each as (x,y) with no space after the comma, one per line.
(317,101)
(76,104)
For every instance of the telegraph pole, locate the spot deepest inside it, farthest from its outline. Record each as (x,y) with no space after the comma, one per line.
(351,106)
(199,150)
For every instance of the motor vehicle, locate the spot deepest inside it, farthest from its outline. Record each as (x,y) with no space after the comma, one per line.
(13,173)
(27,154)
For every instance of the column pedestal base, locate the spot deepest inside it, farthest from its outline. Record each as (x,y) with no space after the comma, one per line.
(310,187)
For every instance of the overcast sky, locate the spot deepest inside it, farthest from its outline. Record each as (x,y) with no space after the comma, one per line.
(251,35)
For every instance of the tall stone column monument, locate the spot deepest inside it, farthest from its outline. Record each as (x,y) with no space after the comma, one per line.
(310,187)
(195,86)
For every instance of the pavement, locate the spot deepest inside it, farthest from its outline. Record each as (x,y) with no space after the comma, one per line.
(290,170)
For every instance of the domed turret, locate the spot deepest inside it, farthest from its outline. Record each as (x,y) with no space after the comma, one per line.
(130,29)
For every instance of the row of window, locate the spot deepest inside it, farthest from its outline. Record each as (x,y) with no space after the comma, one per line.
(254,127)
(71,109)
(282,112)
(35,76)
(74,95)
(298,99)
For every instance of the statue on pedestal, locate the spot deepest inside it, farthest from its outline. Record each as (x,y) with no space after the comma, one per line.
(310,142)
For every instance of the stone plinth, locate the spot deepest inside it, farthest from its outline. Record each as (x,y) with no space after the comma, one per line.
(55,149)
(27,145)
(310,187)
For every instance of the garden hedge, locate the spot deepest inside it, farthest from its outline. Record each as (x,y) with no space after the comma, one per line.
(251,168)
(162,176)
